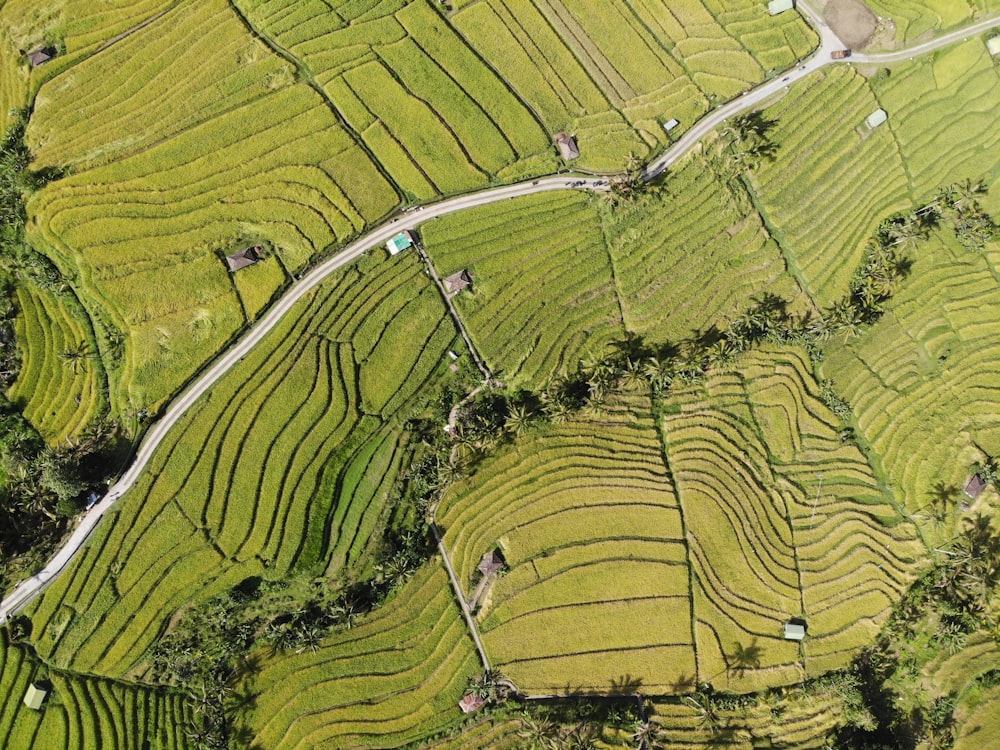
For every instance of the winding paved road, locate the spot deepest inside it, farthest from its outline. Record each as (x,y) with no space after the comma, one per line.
(29,588)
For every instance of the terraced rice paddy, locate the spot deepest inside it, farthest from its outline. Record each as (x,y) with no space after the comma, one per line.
(597,592)
(829,185)
(747,451)
(604,558)
(285,466)
(422,101)
(85,712)
(249,156)
(83,27)
(613,72)
(407,665)
(489,734)
(58,388)
(543,296)
(693,258)
(917,18)
(922,382)
(943,115)
(789,723)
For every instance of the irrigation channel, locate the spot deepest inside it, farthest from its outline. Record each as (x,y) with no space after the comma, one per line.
(26,590)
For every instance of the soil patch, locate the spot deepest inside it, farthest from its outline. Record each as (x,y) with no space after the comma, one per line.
(851,21)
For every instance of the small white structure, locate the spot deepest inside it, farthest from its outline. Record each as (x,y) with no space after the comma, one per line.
(35,696)
(779,6)
(400,242)
(876,118)
(670,124)
(993,45)
(795,630)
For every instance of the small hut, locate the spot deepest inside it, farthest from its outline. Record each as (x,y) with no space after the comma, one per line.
(40,56)
(471,702)
(400,242)
(491,563)
(567,145)
(795,629)
(35,696)
(975,486)
(458,281)
(243,258)
(779,6)
(876,118)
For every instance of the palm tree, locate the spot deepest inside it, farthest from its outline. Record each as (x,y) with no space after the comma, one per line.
(75,357)
(647,734)
(540,733)
(908,231)
(703,704)
(518,419)
(965,193)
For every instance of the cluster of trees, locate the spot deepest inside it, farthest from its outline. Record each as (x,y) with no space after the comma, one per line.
(959,203)
(950,601)
(633,183)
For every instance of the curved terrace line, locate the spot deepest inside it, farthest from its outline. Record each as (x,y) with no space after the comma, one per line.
(31,587)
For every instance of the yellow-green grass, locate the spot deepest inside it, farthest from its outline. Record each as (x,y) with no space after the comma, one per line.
(83,712)
(919,18)
(257,285)
(795,722)
(487,734)
(285,465)
(425,104)
(636,65)
(79,27)
(922,382)
(747,450)
(980,729)
(829,185)
(942,109)
(193,64)
(951,673)
(692,258)
(543,295)
(141,232)
(597,593)
(58,388)
(393,678)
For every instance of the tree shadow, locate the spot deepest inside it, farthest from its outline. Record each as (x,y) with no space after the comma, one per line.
(744,658)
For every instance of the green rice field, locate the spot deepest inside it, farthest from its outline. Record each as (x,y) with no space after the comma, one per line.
(921,382)
(581,610)
(656,541)
(612,72)
(754,442)
(588,521)
(59,386)
(939,148)
(915,19)
(692,258)
(83,712)
(284,466)
(394,677)
(853,179)
(240,153)
(543,295)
